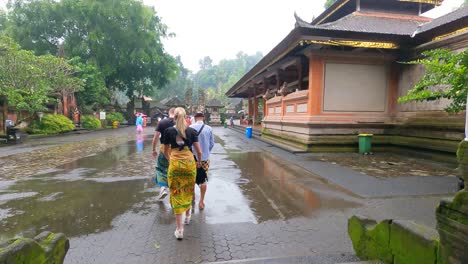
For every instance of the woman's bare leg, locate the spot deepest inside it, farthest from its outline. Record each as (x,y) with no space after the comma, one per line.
(179,217)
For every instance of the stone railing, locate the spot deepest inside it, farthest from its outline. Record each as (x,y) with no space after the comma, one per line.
(46,248)
(291,104)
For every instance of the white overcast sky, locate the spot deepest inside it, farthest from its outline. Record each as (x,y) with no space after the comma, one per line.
(222,28)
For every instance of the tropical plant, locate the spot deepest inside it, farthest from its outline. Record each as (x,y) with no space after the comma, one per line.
(90,122)
(446,77)
(121,38)
(52,124)
(30,82)
(329,3)
(116,116)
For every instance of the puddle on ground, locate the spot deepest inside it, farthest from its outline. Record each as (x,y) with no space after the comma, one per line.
(87,195)
(277,190)
(73,198)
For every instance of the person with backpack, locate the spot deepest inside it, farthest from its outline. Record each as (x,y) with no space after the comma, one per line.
(206,141)
(178,142)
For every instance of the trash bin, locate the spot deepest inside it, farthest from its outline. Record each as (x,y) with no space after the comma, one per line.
(115,124)
(13,135)
(365,143)
(248,132)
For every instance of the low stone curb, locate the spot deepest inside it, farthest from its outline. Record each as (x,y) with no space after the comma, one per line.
(46,248)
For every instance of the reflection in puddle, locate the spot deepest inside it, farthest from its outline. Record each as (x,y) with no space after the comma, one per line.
(88,195)
(75,208)
(280,191)
(70,199)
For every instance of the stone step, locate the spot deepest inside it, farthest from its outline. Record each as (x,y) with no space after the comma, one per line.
(257,134)
(314,259)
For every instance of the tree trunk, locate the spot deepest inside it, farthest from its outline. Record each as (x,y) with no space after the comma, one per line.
(130,109)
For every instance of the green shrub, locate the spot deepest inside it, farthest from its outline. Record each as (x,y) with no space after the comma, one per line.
(90,122)
(52,124)
(116,116)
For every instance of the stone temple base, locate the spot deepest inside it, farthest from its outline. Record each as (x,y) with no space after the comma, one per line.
(326,137)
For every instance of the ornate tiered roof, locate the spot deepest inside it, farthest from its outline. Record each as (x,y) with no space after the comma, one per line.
(391,25)
(214,103)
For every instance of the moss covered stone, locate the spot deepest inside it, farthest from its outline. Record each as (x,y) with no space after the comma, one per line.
(45,248)
(452,224)
(370,240)
(413,243)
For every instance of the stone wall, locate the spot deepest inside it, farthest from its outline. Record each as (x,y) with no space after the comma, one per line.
(46,248)
(400,242)
(393,241)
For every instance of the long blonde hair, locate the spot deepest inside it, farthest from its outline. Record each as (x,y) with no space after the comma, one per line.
(179,116)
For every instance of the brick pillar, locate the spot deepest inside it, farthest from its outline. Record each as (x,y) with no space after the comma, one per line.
(316,70)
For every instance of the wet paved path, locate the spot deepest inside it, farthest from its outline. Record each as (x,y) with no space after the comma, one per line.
(261,202)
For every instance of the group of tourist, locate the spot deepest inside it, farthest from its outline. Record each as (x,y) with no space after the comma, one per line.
(182,162)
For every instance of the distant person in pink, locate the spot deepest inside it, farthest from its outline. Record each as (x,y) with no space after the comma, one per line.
(139,123)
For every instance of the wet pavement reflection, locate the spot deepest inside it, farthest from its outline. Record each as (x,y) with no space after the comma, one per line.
(85,195)
(76,198)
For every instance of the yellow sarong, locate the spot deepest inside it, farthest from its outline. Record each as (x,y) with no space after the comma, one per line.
(181,179)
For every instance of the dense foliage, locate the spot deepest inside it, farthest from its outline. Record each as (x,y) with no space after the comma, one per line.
(118,42)
(446,77)
(329,3)
(90,122)
(116,116)
(29,82)
(52,124)
(211,81)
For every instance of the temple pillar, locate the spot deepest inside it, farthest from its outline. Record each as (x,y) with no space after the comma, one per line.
(255,110)
(250,107)
(316,71)
(392,105)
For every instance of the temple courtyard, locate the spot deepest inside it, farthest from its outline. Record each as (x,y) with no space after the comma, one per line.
(263,205)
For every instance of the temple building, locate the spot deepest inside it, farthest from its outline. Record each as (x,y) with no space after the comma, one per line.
(342,74)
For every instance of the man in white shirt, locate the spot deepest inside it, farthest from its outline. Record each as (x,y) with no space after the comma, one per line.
(206,141)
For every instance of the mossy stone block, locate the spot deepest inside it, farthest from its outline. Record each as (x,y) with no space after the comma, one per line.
(452,224)
(46,248)
(22,250)
(370,240)
(55,246)
(413,243)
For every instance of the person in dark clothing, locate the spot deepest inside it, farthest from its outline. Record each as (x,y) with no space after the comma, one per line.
(162,163)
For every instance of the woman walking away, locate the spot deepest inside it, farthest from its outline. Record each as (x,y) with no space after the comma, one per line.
(178,141)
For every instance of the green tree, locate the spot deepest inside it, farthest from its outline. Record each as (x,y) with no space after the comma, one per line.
(446,77)
(329,3)
(122,38)
(95,93)
(29,82)
(217,79)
